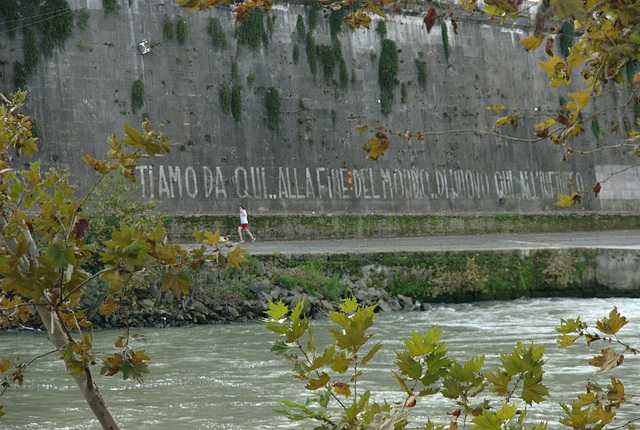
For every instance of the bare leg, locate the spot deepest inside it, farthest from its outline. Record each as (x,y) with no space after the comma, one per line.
(250,235)
(240,232)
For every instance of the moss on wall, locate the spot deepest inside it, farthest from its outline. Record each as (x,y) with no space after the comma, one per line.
(354,226)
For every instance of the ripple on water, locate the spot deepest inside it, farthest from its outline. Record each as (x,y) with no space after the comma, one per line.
(224,377)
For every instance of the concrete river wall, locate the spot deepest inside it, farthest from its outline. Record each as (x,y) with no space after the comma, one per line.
(314,161)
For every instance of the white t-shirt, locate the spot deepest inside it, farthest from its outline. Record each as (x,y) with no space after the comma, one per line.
(243,217)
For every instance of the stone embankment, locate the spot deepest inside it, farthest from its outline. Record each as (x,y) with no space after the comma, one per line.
(169,312)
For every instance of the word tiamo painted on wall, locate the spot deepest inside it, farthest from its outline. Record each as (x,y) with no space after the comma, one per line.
(224,182)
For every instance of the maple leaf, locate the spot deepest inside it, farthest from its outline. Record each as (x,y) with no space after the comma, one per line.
(607,361)
(613,324)
(376,146)
(108,307)
(342,388)
(430,18)
(235,256)
(533,42)
(568,201)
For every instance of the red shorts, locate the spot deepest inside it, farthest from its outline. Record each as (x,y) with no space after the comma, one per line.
(244,226)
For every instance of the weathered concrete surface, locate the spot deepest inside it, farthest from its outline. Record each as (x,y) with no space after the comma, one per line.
(318,226)
(82,94)
(616,253)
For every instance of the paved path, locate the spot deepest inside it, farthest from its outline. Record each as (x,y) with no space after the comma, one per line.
(628,239)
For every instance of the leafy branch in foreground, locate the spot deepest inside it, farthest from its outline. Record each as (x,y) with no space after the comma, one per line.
(43,252)
(424,368)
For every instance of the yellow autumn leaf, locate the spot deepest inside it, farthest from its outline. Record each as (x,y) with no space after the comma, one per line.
(376,147)
(235,256)
(532,42)
(108,308)
(547,123)
(494,107)
(553,66)
(511,119)
(342,388)
(582,98)
(568,201)
(4,365)
(569,9)
(613,323)
(362,128)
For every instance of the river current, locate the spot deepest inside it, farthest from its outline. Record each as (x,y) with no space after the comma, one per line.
(225,377)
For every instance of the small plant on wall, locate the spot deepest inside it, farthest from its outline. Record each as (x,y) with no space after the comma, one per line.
(387,72)
(110,5)
(225,99)
(137,95)
(167,29)
(181,30)
(251,31)
(273,108)
(236,102)
(218,38)
(55,32)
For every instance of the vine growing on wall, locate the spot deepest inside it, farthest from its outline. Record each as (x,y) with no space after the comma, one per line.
(167,29)
(55,31)
(387,74)
(10,9)
(335,22)
(344,74)
(445,38)
(273,108)
(404,94)
(300,29)
(82,19)
(181,30)
(381,29)
(251,31)
(137,95)
(325,53)
(20,75)
(236,102)
(314,11)
(224,96)
(311,55)
(234,70)
(421,66)
(110,5)
(595,128)
(565,39)
(296,53)
(218,38)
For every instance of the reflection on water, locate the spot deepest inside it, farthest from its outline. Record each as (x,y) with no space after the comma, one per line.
(224,377)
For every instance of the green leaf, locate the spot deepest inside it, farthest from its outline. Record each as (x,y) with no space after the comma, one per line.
(532,388)
(60,256)
(350,305)
(277,311)
(177,283)
(371,353)
(566,340)
(314,384)
(325,358)
(340,363)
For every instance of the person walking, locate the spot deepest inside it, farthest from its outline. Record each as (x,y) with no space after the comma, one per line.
(244,225)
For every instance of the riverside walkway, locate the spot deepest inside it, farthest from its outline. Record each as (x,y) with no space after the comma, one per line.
(626,239)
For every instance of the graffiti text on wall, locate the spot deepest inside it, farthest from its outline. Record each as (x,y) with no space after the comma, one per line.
(179,182)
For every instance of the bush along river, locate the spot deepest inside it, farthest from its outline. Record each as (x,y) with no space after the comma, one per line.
(390,282)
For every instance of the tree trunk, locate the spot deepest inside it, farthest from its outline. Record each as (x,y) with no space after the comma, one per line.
(57,337)
(84,381)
